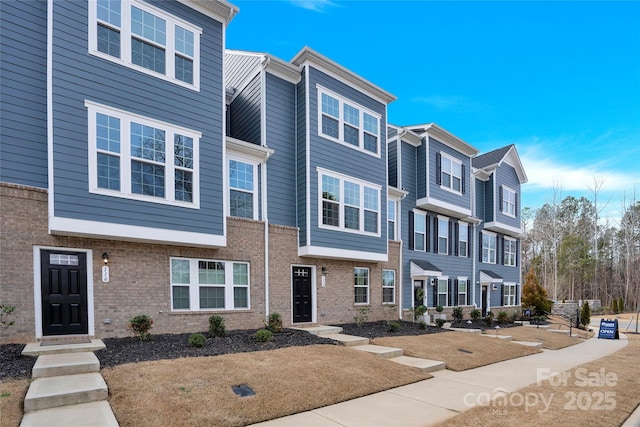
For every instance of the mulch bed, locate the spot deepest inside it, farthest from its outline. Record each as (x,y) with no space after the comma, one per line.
(382,329)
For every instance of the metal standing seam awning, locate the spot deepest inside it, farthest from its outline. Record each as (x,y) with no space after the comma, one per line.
(421,270)
(490,276)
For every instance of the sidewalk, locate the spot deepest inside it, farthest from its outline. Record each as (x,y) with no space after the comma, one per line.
(448,393)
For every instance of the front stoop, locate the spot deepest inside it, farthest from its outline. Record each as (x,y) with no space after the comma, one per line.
(424,365)
(531,344)
(36,349)
(53,365)
(348,340)
(81,415)
(380,351)
(65,390)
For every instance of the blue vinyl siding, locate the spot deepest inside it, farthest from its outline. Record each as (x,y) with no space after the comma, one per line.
(23,90)
(281,134)
(420,163)
(480,196)
(339,158)
(487,206)
(78,76)
(393,163)
(301,161)
(245,113)
(506,175)
(462,200)
(408,171)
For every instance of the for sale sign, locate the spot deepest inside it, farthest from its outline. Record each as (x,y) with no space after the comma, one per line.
(609,329)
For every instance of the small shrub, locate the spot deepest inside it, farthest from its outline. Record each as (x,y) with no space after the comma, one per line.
(394,326)
(422,324)
(5,312)
(216,326)
(275,322)
(458,314)
(614,306)
(363,316)
(502,317)
(418,311)
(621,305)
(440,322)
(197,340)
(140,326)
(489,318)
(439,309)
(264,335)
(475,314)
(585,314)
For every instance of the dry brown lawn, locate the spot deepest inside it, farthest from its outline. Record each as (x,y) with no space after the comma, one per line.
(596,394)
(197,391)
(459,350)
(549,340)
(12,393)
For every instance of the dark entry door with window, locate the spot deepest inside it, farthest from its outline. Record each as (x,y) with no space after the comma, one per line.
(64,293)
(302,303)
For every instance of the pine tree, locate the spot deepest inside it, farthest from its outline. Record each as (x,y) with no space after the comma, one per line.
(614,306)
(585,314)
(534,296)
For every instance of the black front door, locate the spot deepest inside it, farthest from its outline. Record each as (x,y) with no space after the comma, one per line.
(485,289)
(302,294)
(64,293)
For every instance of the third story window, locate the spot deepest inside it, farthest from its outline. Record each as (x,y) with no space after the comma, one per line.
(489,248)
(510,252)
(508,201)
(241,189)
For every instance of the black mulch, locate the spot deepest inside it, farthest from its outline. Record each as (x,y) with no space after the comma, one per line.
(382,329)
(13,364)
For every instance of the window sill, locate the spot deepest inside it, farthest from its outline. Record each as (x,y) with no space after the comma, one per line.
(205,312)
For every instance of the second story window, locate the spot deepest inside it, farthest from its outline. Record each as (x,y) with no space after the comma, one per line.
(489,241)
(420,231)
(349,204)
(463,239)
(509,252)
(242,189)
(508,197)
(137,157)
(443,235)
(348,123)
(450,173)
(141,36)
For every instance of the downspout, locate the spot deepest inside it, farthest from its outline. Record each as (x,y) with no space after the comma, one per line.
(263,177)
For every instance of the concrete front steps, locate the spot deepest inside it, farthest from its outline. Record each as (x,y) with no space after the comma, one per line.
(67,388)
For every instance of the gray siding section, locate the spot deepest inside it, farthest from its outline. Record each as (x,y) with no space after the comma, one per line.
(245,113)
(78,76)
(408,154)
(23,91)
(392,150)
(281,136)
(506,175)
(238,68)
(301,160)
(391,132)
(479,207)
(420,163)
(345,160)
(461,200)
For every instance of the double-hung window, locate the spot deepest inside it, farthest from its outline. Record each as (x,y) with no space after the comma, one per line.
(462,291)
(443,235)
(136,157)
(509,297)
(206,285)
(349,204)
(388,286)
(242,189)
(489,241)
(147,38)
(450,173)
(391,219)
(443,292)
(419,231)
(463,239)
(508,201)
(510,252)
(347,122)
(361,285)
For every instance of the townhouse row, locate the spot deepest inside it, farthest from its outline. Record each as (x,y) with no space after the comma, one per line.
(146,169)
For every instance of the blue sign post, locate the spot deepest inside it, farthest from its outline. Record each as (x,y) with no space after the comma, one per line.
(609,329)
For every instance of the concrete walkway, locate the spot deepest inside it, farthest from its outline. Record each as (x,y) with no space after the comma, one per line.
(450,393)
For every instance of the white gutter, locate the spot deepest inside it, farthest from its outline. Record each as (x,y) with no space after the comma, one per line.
(263,174)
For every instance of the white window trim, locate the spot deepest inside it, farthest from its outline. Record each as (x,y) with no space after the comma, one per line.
(423,217)
(444,155)
(254,192)
(395,217)
(506,190)
(125,41)
(125,156)
(512,298)
(515,245)
(466,289)
(323,172)
(446,293)
(194,286)
(446,248)
(465,239)
(368,286)
(389,287)
(341,122)
(495,250)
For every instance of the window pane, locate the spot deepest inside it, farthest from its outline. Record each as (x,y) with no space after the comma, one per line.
(211,273)
(184,69)
(107,133)
(240,274)
(184,185)
(148,56)
(108,172)
(370,143)
(240,204)
(360,295)
(330,106)
(351,115)
(240,298)
(330,213)
(352,218)
(149,26)
(351,193)
(388,295)
(370,199)
(351,135)
(108,41)
(388,278)
(329,126)
(462,286)
(240,175)
(211,297)
(391,230)
(330,188)
(391,210)
(371,221)
(147,179)
(180,271)
(419,242)
(180,295)
(183,151)
(184,41)
(361,276)
(370,124)
(147,142)
(109,11)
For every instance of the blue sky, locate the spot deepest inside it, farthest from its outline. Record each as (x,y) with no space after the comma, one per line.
(561,80)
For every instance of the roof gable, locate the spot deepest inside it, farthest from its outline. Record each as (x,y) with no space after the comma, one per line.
(491,160)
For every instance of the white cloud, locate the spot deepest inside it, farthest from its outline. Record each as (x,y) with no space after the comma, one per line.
(314,5)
